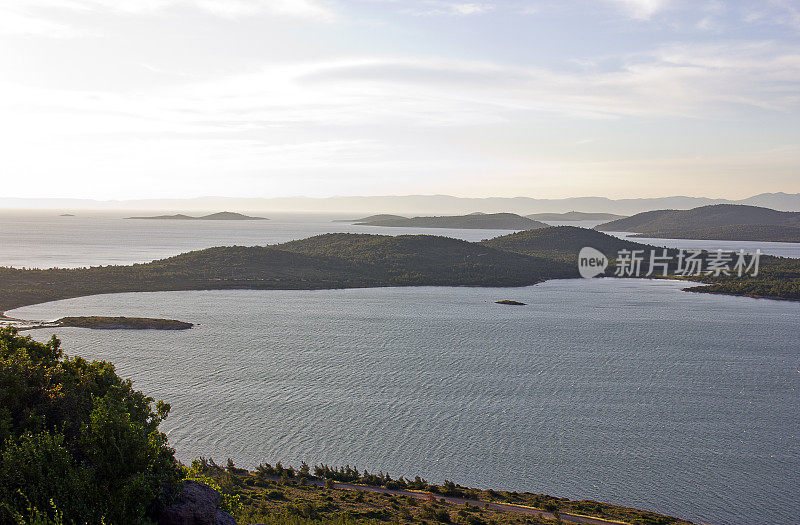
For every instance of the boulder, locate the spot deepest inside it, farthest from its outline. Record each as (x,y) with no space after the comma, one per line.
(196,504)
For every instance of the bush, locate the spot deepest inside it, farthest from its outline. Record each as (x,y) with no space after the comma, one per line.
(275,494)
(76,437)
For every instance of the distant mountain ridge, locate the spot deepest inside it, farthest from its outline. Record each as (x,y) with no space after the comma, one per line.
(575,216)
(485,221)
(411,204)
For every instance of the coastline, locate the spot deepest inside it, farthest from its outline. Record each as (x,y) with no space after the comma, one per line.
(97,322)
(29,324)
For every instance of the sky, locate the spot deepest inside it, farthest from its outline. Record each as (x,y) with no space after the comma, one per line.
(127,99)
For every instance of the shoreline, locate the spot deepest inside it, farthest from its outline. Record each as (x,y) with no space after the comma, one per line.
(29,324)
(97,323)
(701,287)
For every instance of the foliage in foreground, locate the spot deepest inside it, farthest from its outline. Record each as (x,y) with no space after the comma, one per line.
(77,442)
(278,495)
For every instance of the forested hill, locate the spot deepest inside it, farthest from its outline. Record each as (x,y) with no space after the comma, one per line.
(341,260)
(562,243)
(738,232)
(325,261)
(664,221)
(489,221)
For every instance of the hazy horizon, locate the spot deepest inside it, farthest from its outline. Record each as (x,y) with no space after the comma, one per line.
(111,99)
(399,204)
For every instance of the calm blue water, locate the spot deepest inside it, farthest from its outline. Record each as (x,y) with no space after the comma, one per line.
(627,391)
(45,240)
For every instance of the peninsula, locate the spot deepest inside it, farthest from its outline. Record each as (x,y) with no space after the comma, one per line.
(342,260)
(123,323)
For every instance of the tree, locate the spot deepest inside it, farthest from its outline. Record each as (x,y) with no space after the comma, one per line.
(76,437)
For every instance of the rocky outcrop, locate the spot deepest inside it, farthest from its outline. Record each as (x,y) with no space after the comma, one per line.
(196,504)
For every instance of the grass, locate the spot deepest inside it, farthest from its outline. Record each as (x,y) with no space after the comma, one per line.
(307,499)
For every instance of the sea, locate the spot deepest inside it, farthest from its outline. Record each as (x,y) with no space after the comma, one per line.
(627,391)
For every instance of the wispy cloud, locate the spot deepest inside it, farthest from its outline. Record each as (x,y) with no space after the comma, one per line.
(20,23)
(47,17)
(686,80)
(438,8)
(642,9)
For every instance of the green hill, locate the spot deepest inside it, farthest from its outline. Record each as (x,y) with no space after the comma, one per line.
(737,232)
(489,221)
(562,242)
(575,216)
(678,221)
(341,260)
(326,261)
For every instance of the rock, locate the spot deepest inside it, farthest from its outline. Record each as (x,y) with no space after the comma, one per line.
(197,504)
(512,303)
(223,518)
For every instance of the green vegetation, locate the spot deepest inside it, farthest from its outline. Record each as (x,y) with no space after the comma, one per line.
(489,221)
(737,232)
(341,260)
(220,216)
(77,443)
(278,494)
(720,221)
(575,216)
(324,261)
(562,243)
(778,278)
(130,323)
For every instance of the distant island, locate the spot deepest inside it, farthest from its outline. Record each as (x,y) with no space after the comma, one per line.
(128,323)
(99,322)
(347,260)
(488,221)
(725,222)
(66,215)
(738,232)
(574,216)
(221,216)
(510,302)
(371,218)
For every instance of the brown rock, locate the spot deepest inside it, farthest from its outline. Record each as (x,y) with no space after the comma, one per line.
(197,504)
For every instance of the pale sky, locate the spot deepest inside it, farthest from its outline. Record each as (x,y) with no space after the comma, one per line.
(122,99)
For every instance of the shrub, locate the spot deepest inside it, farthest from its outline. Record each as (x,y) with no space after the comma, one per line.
(76,437)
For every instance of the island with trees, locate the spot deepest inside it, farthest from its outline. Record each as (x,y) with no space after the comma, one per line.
(220,216)
(342,260)
(725,222)
(123,323)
